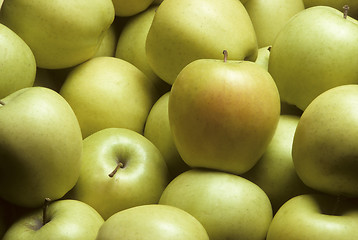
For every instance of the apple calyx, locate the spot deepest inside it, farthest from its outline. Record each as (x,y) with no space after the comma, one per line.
(44,211)
(119,165)
(225,55)
(345,12)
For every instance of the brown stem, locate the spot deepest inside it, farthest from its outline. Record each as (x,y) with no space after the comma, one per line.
(119,165)
(345,12)
(2,103)
(225,55)
(44,211)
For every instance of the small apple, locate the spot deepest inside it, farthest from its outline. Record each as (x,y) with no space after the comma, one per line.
(125,8)
(227,205)
(62,219)
(184,30)
(324,148)
(148,222)
(263,56)
(109,92)
(40,146)
(108,44)
(121,169)
(223,114)
(316,217)
(18,65)
(315,51)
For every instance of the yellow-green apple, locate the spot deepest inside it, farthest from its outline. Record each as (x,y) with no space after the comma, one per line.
(324,147)
(109,92)
(131,45)
(125,8)
(275,172)
(40,146)
(269,17)
(227,205)
(223,114)
(61,34)
(315,217)
(315,51)
(18,65)
(152,221)
(157,130)
(263,56)
(184,30)
(338,4)
(108,44)
(50,78)
(63,219)
(121,169)
(289,109)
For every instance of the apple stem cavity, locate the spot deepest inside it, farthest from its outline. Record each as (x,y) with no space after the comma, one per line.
(44,211)
(345,12)
(119,165)
(225,55)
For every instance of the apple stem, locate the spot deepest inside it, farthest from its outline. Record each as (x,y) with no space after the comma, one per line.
(225,55)
(119,165)
(2,103)
(345,12)
(269,48)
(44,211)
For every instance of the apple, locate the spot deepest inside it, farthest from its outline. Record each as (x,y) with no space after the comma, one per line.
(152,221)
(40,146)
(125,8)
(131,45)
(184,30)
(263,56)
(269,17)
(18,65)
(315,216)
(227,205)
(121,169)
(223,114)
(338,4)
(157,130)
(61,219)
(109,92)
(50,78)
(275,172)
(324,150)
(315,51)
(60,34)
(108,44)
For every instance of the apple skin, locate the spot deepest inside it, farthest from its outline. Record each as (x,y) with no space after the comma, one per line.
(223,114)
(140,181)
(147,222)
(315,217)
(324,150)
(278,12)
(227,205)
(275,172)
(125,8)
(338,4)
(263,56)
(315,51)
(18,65)
(40,147)
(68,36)
(184,30)
(96,86)
(68,219)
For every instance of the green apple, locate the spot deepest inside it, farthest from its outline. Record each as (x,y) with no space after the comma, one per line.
(40,146)
(121,169)
(18,65)
(275,172)
(227,205)
(108,44)
(338,4)
(125,8)
(184,30)
(289,109)
(315,51)
(61,34)
(324,148)
(157,130)
(109,92)
(263,56)
(223,114)
(50,78)
(315,217)
(62,219)
(269,17)
(131,45)
(152,221)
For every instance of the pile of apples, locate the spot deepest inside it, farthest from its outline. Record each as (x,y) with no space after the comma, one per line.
(179,119)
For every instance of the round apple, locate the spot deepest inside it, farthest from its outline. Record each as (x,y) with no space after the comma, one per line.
(223,114)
